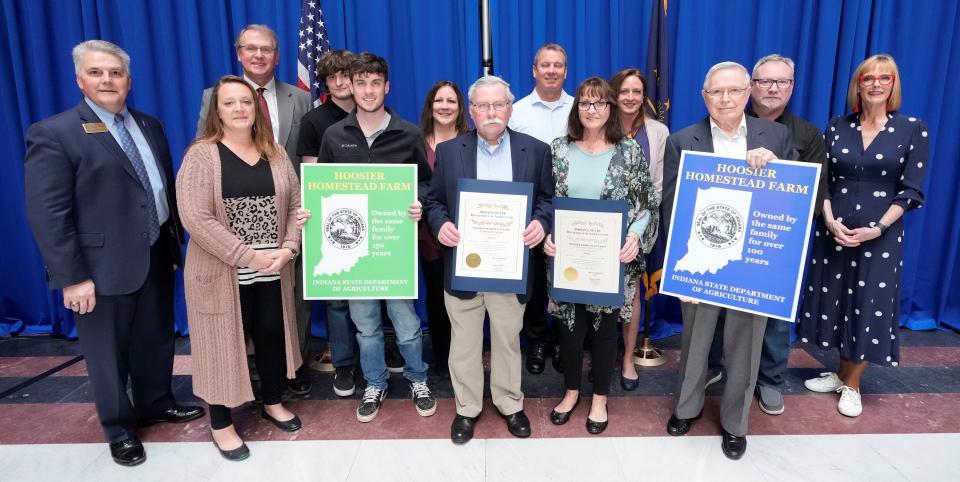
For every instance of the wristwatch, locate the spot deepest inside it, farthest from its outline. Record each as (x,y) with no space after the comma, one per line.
(295,254)
(883,227)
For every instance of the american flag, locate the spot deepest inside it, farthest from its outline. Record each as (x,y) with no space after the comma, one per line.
(313,43)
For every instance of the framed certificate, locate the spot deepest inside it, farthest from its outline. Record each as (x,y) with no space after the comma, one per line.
(588,234)
(491,217)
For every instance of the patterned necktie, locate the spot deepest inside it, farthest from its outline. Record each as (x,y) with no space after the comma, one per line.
(130,148)
(265,110)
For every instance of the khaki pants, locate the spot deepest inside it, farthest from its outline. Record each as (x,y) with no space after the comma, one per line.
(466,351)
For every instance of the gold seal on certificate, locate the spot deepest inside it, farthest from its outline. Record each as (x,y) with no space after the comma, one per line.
(588,250)
(491,243)
(473,260)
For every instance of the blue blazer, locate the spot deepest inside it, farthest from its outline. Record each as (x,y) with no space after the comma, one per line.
(697,137)
(86,205)
(457,159)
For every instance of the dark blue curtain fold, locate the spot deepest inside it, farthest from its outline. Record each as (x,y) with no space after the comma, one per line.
(178,47)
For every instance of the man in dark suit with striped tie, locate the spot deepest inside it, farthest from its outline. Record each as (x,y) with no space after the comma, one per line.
(99,197)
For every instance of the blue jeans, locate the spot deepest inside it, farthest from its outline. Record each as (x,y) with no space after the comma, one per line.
(773,356)
(366,315)
(340,333)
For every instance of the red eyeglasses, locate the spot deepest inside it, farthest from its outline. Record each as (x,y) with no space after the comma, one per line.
(883,79)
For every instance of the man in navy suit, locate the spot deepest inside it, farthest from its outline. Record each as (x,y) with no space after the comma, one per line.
(99,197)
(491,152)
(726,131)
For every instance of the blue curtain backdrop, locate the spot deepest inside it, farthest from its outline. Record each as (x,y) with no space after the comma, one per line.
(179,47)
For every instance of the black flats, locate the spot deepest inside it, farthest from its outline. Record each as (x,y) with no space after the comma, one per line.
(560,418)
(291,425)
(597,427)
(235,455)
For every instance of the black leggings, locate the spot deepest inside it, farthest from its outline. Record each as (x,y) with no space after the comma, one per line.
(437,319)
(261,307)
(603,349)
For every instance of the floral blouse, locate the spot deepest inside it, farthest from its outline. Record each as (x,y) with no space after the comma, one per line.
(627,178)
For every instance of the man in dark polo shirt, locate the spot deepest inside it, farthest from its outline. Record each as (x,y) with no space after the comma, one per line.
(334,68)
(773,81)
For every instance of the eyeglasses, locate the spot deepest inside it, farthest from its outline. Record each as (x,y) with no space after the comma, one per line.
(252,49)
(497,106)
(718,93)
(767,83)
(883,79)
(600,105)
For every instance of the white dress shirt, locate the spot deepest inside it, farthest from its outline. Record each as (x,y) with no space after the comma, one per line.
(543,120)
(270,94)
(725,145)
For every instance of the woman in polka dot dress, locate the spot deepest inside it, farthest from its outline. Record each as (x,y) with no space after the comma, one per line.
(877,161)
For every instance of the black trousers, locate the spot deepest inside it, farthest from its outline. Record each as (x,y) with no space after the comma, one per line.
(437,318)
(261,307)
(603,349)
(131,337)
(535,327)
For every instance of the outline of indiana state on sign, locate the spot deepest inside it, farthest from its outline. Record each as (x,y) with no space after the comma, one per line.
(341,255)
(718,231)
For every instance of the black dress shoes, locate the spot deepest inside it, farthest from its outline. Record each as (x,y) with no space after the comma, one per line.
(536,358)
(128,452)
(235,455)
(560,418)
(518,424)
(680,426)
(461,431)
(291,425)
(175,414)
(556,360)
(733,446)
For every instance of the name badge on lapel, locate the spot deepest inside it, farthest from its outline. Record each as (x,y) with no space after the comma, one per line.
(94,127)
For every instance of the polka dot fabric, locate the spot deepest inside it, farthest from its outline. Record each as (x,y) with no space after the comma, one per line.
(853,294)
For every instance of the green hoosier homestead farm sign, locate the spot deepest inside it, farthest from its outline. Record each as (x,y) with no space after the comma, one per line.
(360,242)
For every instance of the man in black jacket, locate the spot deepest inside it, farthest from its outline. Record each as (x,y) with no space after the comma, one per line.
(375,134)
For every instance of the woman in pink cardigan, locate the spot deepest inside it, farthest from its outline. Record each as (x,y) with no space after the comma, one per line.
(239,196)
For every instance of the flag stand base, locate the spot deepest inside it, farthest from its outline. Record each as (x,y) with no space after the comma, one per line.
(648,355)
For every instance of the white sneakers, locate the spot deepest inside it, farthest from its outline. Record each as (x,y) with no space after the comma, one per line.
(849,405)
(828,382)
(849,402)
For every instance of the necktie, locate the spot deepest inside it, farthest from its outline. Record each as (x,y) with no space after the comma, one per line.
(265,110)
(130,149)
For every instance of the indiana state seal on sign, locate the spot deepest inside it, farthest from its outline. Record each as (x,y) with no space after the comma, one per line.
(344,228)
(719,226)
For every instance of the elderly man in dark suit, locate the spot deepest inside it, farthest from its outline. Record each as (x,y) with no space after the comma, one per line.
(100,201)
(727,131)
(284,106)
(491,152)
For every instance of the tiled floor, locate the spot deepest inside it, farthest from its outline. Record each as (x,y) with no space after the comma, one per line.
(910,429)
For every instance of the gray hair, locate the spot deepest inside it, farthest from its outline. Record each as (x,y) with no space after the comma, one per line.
(99,46)
(773,58)
(488,81)
(727,66)
(260,27)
